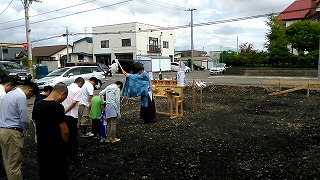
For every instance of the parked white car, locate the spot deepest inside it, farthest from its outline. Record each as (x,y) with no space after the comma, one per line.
(175,67)
(218,69)
(67,75)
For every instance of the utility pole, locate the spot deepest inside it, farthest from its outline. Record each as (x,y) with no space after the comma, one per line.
(67,35)
(85,32)
(1,52)
(26,5)
(237,45)
(192,45)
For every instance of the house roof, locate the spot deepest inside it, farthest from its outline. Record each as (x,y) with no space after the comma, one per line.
(299,9)
(196,58)
(47,51)
(87,39)
(176,53)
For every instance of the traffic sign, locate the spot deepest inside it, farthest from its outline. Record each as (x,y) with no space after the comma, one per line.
(25,45)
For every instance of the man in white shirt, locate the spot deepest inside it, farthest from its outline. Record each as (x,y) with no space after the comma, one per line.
(71,107)
(8,83)
(86,94)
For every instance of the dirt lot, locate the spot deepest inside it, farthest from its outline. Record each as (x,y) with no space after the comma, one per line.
(241,133)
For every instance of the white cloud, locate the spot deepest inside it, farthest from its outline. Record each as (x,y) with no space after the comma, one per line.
(166,13)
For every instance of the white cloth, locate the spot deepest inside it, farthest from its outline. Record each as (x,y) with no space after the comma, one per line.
(181,78)
(85,92)
(114,68)
(2,92)
(73,96)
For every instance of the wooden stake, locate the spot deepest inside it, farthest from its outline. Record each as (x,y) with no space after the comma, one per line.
(200,97)
(279,85)
(308,90)
(193,95)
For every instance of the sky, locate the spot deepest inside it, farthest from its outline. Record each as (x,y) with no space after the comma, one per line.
(49,19)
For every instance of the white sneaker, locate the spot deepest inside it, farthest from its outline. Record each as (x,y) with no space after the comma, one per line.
(89,134)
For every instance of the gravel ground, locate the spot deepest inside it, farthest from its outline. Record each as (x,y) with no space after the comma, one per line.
(241,133)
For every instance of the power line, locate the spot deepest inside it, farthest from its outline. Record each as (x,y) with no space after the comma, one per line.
(210,33)
(56,10)
(177,27)
(69,14)
(104,5)
(180,35)
(6,8)
(118,4)
(195,25)
(161,4)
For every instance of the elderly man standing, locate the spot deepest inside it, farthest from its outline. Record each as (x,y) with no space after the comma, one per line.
(71,108)
(14,123)
(86,94)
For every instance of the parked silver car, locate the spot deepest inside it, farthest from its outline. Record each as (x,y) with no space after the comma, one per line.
(67,75)
(218,69)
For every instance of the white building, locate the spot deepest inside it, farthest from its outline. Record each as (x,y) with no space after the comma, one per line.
(128,42)
(82,50)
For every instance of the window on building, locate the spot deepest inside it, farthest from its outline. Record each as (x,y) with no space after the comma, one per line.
(5,51)
(126,42)
(165,44)
(80,56)
(105,44)
(153,41)
(153,44)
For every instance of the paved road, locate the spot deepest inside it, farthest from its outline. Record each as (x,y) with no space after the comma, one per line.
(233,80)
(204,76)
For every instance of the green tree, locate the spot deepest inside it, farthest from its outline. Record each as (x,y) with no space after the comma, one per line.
(229,58)
(24,61)
(304,35)
(277,43)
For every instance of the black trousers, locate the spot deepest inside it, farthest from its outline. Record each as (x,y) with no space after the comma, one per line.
(148,114)
(72,149)
(52,161)
(96,127)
